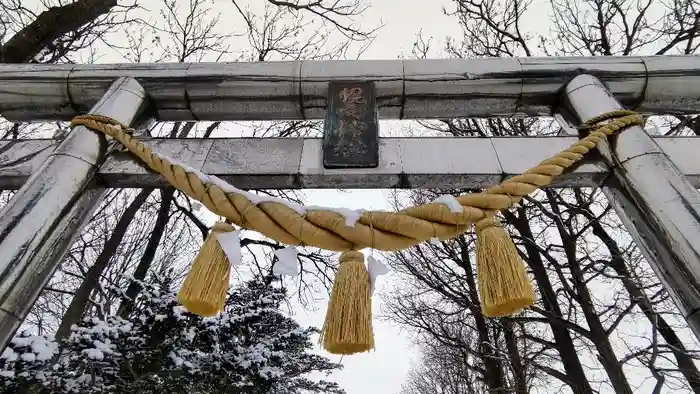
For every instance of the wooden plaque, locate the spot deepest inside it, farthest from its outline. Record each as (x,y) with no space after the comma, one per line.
(351,128)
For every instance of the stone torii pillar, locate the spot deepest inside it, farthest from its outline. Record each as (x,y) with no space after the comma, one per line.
(39,224)
(659,207)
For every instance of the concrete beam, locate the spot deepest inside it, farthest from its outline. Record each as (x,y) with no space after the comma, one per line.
(405,89)
(295,163)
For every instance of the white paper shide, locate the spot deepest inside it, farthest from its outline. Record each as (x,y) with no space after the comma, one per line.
(231,244)
(375,269)
(287,263)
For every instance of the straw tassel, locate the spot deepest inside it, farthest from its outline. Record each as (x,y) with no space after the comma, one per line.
(504,287)
(204,290)
(348,325)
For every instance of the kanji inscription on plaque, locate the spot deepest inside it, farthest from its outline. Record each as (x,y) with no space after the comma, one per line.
(351,129)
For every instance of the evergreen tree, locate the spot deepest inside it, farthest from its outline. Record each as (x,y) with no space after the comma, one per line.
(250,347)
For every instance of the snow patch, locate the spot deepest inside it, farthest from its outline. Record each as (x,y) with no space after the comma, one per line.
(189,334)
(93,354)
(176,359)
(9,355)
(179,312)
(44,348)
(255,199)
(451,203)
(29,357)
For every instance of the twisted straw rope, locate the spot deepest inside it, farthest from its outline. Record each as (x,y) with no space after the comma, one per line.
(387,231)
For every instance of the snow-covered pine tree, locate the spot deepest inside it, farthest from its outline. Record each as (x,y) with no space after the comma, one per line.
(251,347)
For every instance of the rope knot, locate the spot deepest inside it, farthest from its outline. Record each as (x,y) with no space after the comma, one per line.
(351,255)
(626,117)
(487,222)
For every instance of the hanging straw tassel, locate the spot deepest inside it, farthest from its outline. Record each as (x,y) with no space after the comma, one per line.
(204,290)
(504,287)
(348,325)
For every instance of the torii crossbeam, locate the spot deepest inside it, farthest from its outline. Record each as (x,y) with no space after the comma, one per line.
(405,89)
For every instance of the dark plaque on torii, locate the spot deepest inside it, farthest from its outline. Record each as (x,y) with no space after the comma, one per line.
(351,129)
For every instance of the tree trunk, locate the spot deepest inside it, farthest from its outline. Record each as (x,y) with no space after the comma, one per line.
(78,304)
(514,356)
(577,379)
(150,253)
(51,25)
(599,337)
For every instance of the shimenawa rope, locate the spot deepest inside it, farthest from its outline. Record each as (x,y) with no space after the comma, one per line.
(503,283)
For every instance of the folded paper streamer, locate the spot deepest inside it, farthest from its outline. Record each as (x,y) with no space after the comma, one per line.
(504,288)
(287,263)
(230,242)
(375,268)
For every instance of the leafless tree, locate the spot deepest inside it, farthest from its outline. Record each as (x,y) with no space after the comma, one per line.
(136,232)
(443,370)
(602,321)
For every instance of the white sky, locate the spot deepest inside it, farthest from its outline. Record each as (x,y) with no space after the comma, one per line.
(384,369)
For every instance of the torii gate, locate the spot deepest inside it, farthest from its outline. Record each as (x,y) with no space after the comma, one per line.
(649,180)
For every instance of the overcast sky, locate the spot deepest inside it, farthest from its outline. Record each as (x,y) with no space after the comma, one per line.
(384,369)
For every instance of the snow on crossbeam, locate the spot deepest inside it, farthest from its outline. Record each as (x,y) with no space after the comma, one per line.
(405,89)
(294,163)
